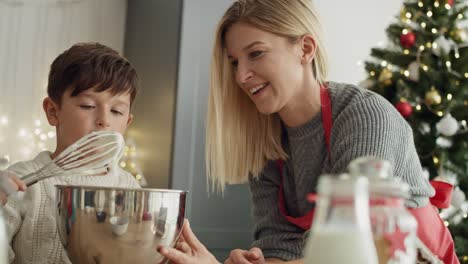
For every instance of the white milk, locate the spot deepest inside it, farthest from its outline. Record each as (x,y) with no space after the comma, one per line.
(335,246)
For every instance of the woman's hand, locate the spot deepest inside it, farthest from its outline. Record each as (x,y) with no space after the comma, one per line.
(189,250)
(9,184)
(252,256)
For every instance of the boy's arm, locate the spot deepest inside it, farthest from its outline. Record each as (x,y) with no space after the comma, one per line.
(13,210)
(12,217)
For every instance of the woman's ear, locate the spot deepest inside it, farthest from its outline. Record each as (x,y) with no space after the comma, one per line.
(51,110)
(309,47)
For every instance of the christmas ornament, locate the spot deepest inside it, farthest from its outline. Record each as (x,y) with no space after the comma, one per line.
(443,46)
(385,77)
(444,142)
(404,108)
(396,240)
(458,197)
(424,128)
(413,69)
(367,83)
(403,14)
(433,97)
(447,126)
(407,40)
(459,35)
(450,2)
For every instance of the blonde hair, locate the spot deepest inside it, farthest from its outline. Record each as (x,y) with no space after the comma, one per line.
(239,139)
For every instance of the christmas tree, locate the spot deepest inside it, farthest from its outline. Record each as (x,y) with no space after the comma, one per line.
(423,72)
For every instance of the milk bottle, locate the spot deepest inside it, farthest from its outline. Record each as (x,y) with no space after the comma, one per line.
(341,230)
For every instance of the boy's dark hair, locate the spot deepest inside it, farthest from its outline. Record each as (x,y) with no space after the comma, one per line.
(91,65)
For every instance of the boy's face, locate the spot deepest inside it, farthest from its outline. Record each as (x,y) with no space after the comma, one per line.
(85,113)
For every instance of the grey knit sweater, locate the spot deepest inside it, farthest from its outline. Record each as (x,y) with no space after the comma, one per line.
(364,124)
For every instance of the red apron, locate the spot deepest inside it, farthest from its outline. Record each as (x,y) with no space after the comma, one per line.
(431,229)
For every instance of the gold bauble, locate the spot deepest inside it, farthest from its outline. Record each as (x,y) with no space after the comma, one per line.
(459,35)
(385,77)
(433,97)
(403,14)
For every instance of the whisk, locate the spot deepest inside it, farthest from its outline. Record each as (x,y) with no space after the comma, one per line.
(90,155)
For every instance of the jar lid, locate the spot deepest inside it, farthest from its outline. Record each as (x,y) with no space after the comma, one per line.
(342,185)
(380,175)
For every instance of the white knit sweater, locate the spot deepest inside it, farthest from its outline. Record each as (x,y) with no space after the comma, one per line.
(30,216)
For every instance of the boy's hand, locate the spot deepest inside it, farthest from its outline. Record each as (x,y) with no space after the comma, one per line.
(9,184)
(189,249)
(240,256)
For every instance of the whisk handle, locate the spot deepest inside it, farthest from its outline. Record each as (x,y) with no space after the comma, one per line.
(30,179)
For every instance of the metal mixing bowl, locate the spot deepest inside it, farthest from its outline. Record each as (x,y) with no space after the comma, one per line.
(117,225)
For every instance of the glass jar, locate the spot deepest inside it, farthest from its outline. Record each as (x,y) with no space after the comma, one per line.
(394,229)
(341,230)
(4,246)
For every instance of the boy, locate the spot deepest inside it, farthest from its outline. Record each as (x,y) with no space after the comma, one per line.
(91,88)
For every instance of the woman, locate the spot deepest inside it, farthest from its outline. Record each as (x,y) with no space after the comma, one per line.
(275,121)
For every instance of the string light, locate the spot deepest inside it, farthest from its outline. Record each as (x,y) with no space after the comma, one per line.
(434,30)
(429,45)
(463,122)
(420,4)
(37,131)
(51,134)
(446,223)
(425,68)
(436,3)
(435,160)
(37,123)
(22,132)
(434,45)
(372,73)
(466,74)
(449,96)
(408,15)
(448,63)
(406,52)
(4,120)
(130,163)
(440,113)
(457,55)
(447,6)
(465,215)
(41,145)
(429,13)
(460,16)
(423,24)
(418,107)
(405,31)
(406,73)
(421,48)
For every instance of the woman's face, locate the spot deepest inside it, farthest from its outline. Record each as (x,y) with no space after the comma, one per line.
(267,67)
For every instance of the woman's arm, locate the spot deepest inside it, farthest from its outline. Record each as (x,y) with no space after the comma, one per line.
(372,127)
(272,232)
